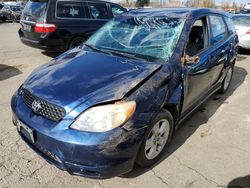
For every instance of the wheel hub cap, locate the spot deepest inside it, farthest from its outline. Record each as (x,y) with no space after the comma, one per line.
(157,139)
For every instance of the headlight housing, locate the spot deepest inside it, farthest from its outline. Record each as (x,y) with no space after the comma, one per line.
(104,118)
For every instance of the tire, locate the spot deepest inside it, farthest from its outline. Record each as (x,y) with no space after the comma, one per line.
(227,80)
(146,157)
(76,42)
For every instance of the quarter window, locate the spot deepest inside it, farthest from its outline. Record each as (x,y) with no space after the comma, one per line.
(230,25)
(219,29)
(98,11)
(116,10)
(67,9)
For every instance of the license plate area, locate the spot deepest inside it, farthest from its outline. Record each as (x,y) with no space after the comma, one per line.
(26,27)
(26,131)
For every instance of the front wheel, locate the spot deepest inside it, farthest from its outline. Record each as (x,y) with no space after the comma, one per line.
(227,80)
(157,139)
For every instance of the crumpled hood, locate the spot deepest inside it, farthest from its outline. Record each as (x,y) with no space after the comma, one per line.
(84,76)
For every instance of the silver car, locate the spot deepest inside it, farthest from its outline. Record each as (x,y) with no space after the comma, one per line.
(242,26)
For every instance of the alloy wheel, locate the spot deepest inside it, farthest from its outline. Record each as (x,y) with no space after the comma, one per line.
(157,139)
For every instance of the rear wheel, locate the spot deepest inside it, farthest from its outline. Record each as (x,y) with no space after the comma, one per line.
(156,141)
(227,80)
(75,42)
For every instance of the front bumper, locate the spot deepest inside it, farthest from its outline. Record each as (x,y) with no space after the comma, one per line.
(94,155)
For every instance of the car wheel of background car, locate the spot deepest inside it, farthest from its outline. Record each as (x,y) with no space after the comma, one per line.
(157,139)
(3,19)
(227,80)
(76,42)
(13,19)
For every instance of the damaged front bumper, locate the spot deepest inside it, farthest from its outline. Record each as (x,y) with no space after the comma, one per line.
(94,155)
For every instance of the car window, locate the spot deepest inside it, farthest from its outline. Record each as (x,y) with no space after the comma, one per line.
(230,25)
(15,8)
(197,40)
(241,20)
(98,11)
(35,10)
(116,10)
(218,27)
(70,9)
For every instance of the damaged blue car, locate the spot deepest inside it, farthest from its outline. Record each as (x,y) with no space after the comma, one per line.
(98,109)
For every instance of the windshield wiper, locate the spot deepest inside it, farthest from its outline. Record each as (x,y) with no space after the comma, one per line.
(125,54)
(97,49)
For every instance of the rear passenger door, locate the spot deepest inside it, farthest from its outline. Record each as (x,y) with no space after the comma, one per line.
(220,46)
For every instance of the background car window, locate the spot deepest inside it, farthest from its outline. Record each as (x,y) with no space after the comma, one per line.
(98,11)
(67,9)
(241,20)
(197,38)
(35,10)
(218,27)
(116,10)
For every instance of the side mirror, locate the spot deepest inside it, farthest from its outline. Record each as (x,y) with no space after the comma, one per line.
(186,59)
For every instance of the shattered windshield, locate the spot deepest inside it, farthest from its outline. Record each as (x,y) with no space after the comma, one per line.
(154,37)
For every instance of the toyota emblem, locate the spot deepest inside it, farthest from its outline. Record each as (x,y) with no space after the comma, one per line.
(36,106)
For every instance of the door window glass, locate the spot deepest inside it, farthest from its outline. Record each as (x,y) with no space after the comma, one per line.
(218,27)
(98,11)
(197,38)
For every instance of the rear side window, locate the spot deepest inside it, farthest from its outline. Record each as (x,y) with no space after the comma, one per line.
(116,10)
(219,29)
(98,11)
(35,11)
(70,9)
(230,25)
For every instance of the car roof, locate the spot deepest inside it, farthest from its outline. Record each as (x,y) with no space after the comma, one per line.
(241,15)
(174,11)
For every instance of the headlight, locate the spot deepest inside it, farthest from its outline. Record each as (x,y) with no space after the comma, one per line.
(104,118)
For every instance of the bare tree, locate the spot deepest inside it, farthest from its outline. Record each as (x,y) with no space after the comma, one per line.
(225,4)
(201,3)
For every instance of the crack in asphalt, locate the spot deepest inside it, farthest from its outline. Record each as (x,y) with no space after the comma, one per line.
(160,178)
(199,173)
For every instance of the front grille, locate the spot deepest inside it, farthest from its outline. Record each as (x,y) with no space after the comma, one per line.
(43,108)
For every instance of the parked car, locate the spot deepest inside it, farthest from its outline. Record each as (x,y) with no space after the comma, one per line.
(61,25)
(1,14)
(242,25)
(11,12)
(116,100)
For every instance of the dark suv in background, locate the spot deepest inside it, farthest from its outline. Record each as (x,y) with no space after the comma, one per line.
(59,25)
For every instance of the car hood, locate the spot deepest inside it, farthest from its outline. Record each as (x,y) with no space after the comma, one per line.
(84,76)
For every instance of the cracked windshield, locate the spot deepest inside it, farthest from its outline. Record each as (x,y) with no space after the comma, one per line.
(153,37)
